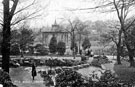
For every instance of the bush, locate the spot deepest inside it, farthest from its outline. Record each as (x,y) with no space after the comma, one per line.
(41,50)
(53,45)
(96,63)
(5,79)
(86,43)
(64,62)
(69,78)
(15,50)
(102,59)
(61,48)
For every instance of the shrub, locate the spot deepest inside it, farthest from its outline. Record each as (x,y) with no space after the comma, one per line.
(5,79)
(69,78)
(61,48)
(14,50)
(96,63)
(53,45)
(86,43)
(41,49)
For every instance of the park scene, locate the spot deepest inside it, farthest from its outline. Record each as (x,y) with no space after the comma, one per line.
(67,43)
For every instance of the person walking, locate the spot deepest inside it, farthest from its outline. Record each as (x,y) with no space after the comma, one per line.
(34,73)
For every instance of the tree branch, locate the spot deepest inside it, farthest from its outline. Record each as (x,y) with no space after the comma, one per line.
(117,10)
(24,7)
(130,25)
(101,6)
(13,8)
(25,17)
(114,40)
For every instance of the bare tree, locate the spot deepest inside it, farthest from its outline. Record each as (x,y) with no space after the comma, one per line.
(8,15)
(71,29)
(123,9)
(81,31)
(114,36)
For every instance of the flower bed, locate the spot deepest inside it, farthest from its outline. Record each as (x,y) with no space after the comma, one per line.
(70,78)
(102,59)
(64,62)
(5,79)
(98,60)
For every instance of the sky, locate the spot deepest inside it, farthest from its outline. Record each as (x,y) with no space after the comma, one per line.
(59,10)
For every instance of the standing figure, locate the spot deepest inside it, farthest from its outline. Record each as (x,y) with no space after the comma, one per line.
(92,54)
(34,73)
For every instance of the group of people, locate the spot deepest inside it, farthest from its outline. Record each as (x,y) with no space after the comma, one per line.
(87,52)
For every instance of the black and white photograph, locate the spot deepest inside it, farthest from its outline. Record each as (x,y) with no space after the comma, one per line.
(67,43)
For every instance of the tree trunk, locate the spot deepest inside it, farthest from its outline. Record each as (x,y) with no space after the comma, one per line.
(6,37)
(131,55)
(22,54)
(80,44)
(118,55)
(131,58)
(130,50)
(119,48)
(73,44)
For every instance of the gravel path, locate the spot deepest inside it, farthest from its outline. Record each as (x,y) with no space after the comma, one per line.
(22,76)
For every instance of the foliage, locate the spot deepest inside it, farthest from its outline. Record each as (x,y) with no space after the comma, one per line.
(41,50)
(14,50)
(98,60)
(31,50)
(96,63)
(124,52)
(61,48)
(86,43)
(113,37)
(9,11)
(64,62)
(108,80)
(47,77)
(112,50)
(131,38)
(5,79)
(76,47)
(23,37)
(53,45)
(108,37)
(69,78)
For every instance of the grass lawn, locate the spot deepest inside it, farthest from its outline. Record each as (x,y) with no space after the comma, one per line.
(123,71)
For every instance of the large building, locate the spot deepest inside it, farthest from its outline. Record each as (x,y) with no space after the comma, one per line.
(60,35)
